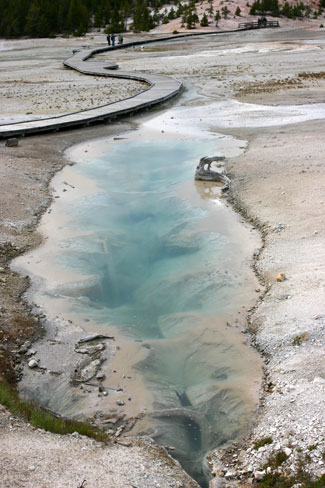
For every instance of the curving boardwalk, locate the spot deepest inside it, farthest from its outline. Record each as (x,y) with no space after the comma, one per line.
(160,88)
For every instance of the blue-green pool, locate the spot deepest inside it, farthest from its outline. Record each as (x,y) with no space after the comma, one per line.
(166,265)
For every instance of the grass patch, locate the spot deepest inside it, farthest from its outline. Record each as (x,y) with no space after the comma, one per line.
(44,420)
(312,447)
(279,481)
(297,341)
(262,442)
(277,459)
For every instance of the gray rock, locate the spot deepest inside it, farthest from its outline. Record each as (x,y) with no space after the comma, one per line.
(90,349)
(287,451)
(12,142)
(89,371)
(33,363)
(100,376)
(259,475)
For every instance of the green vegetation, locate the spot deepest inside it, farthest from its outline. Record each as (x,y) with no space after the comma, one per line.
(276,459)
(301,478)
(288,10)
(262,442)
(204,21)
(279,481)
(225,12)
(297,341)
(42,18)
(45,18)
(271,6)
(312,447)
(44,420)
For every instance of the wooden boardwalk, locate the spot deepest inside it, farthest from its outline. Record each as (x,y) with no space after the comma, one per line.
(259,25)
(160,88)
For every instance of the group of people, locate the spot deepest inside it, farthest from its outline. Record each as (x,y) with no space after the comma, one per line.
(111,39)
(262,21)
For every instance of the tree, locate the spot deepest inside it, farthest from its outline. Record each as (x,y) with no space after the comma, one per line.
(287,10)
(32,19)
(225,12)
(210,11)
(172,14)
(204,21)
(237,12)
(77,16)
(142,20)
(217,17)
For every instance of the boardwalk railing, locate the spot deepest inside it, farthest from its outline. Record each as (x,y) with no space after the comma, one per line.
(258,25)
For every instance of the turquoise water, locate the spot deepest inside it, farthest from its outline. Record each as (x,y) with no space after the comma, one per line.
(163,268)
(153,252)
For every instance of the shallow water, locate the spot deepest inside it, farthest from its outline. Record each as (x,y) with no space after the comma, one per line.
(143,250)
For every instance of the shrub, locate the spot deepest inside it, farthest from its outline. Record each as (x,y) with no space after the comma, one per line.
(262,442)
(297,341)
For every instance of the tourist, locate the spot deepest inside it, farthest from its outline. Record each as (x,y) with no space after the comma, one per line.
(120,39)
(113,39)
(108,39)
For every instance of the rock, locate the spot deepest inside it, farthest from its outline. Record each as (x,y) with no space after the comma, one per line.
(24,348)
(12,142)
(89,371)
(93,337)
(33,363)
(318,379)
(287,451)
(229,474)
(259,475)
(31,352)
(280,277)
(120,402)
(90,349)
(100,376)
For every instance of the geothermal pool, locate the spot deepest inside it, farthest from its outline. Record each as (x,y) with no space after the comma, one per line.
(136,246)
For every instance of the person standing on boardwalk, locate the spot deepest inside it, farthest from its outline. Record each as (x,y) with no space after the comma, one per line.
(113,39)
(108,39)
(120,39)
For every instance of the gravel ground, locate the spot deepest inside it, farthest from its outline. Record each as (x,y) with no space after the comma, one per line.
(36,84)
(71,461)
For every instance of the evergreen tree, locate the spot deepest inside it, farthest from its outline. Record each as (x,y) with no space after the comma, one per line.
(225,12)
(287,10)
(237,12)
(77,16)
(172,14)
(142,20)
(33,18)
(204,21)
